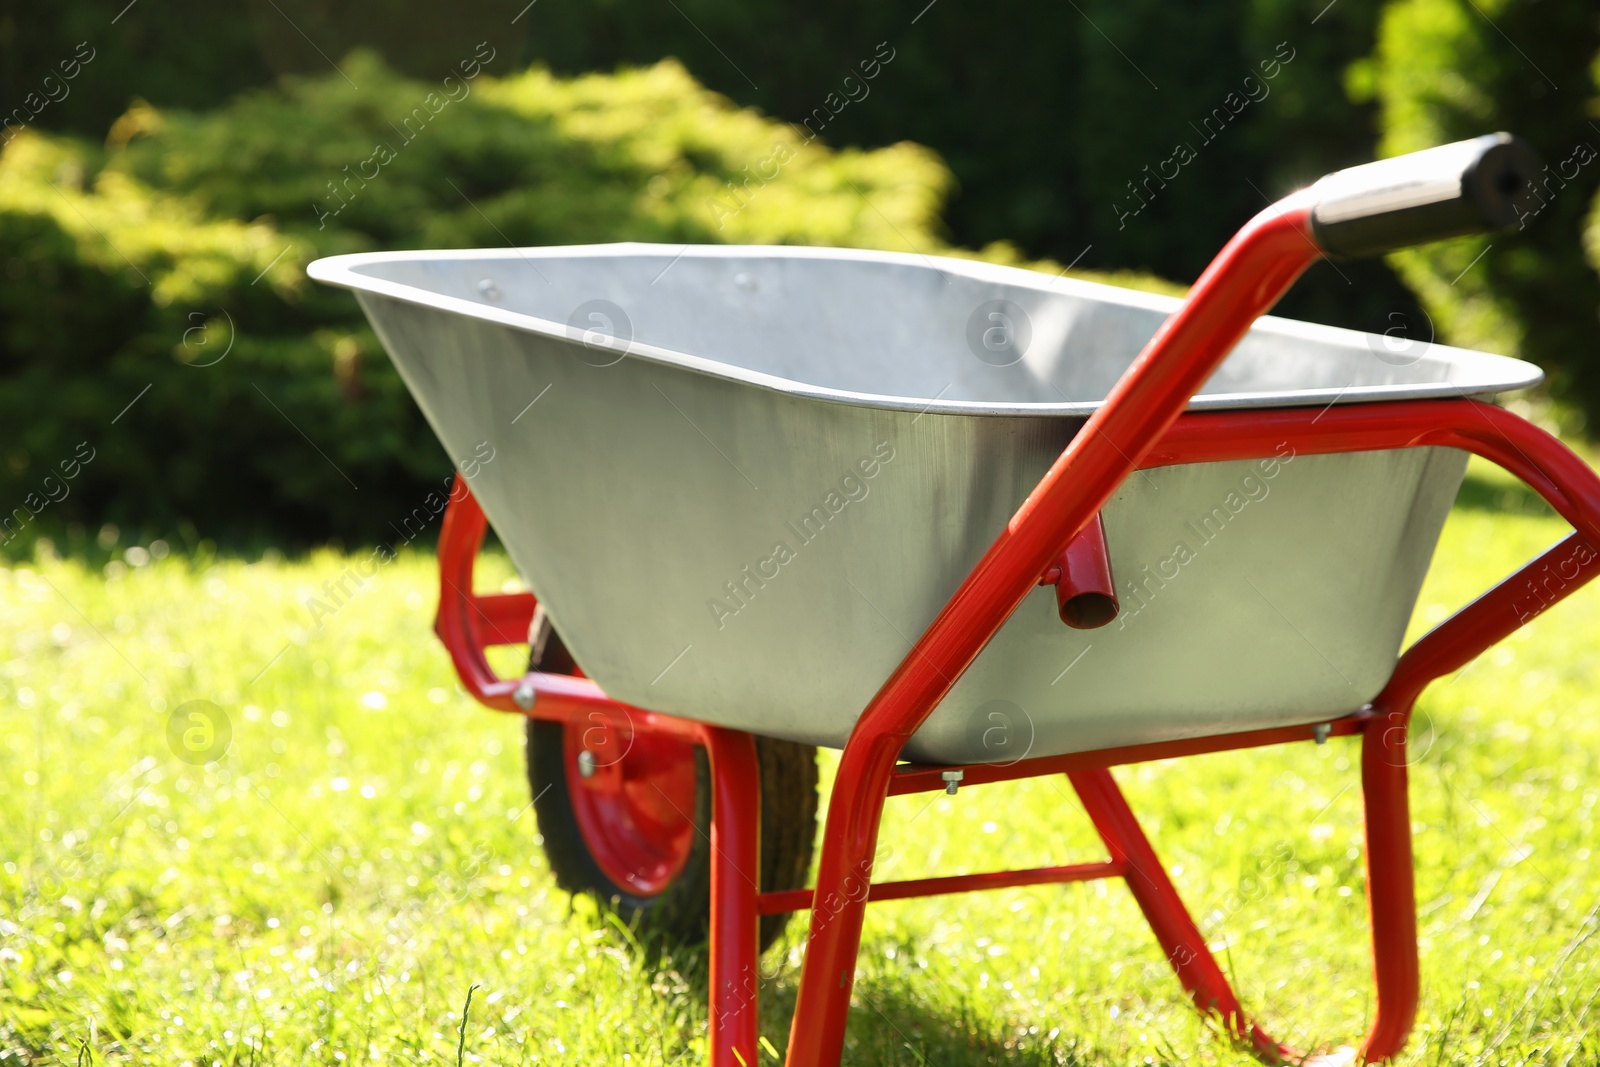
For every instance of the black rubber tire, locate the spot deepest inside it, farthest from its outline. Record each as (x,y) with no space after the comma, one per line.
(680,914)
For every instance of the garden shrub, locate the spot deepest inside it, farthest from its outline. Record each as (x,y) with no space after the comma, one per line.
(156,310)
(1444,70)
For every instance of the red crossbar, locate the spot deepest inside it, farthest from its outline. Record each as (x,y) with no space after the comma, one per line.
(922,777)
(800,899)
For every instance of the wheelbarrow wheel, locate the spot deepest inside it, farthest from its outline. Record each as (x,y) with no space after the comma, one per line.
(627,820)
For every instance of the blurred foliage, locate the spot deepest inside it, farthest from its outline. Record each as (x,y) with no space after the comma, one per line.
(1044,113)
(530,159)
(197,54)
(1448,69)
(1052,124)
(156,314)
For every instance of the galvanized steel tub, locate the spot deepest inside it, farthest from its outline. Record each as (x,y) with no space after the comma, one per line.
(743,480)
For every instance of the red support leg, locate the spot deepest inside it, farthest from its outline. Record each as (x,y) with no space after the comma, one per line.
(1391,898)
(735,885)
(1169,919)
(844,878)
(1391,892)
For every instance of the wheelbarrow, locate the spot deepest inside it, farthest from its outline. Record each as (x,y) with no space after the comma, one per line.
(967,523)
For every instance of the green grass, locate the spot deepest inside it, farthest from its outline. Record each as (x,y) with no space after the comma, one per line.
(364,855)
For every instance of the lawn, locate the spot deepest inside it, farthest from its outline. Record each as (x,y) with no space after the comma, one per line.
(364,856)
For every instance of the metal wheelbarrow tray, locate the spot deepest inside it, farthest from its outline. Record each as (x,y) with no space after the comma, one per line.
(784,468)
(749,485)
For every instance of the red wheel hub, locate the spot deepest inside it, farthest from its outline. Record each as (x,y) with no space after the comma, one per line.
(633,795)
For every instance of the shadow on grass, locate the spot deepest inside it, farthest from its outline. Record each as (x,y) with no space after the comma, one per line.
(891,1025)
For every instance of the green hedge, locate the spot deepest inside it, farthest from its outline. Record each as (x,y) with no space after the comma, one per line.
(1448,69)
(156,311)
(1043,112)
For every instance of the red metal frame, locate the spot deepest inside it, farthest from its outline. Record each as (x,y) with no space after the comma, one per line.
(1141,425)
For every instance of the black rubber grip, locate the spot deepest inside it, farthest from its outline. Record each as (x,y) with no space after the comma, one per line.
(1475,186)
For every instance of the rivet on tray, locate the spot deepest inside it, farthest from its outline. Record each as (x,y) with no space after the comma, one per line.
(1321,731)
(524,695)
(952,780)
